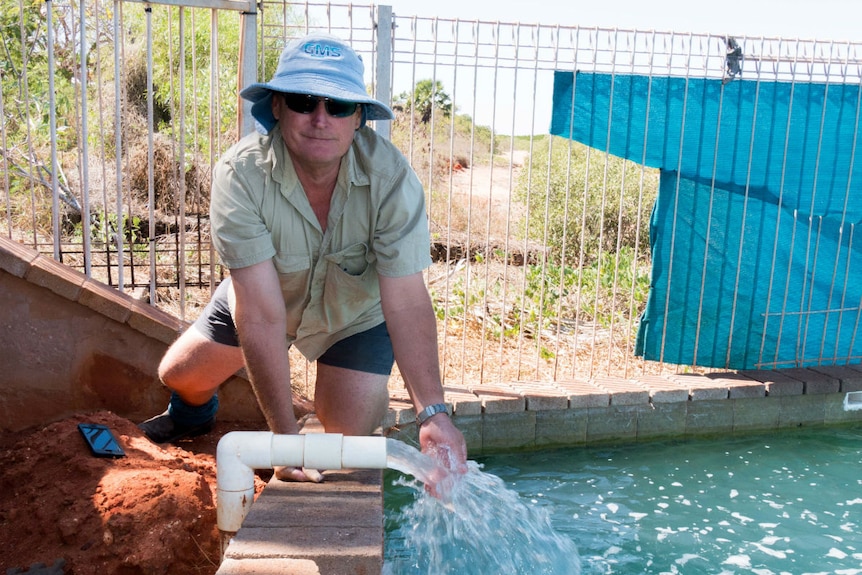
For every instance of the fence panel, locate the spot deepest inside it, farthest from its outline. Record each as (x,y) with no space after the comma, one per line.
(540,207)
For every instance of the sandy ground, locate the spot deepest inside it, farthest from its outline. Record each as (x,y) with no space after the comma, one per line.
(151,512)
(483,181)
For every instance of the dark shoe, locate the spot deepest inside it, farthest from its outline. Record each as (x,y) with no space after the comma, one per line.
(163,429)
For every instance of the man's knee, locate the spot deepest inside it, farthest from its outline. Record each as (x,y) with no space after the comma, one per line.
(194,358)
(350,402)
(172,362)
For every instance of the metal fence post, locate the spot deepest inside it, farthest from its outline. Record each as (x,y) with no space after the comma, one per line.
(383,73)
(247,67)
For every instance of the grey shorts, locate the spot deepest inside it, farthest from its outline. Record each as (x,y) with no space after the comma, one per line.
(369,351)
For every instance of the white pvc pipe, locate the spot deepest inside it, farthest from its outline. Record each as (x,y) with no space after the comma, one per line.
(853,401)
(239,453)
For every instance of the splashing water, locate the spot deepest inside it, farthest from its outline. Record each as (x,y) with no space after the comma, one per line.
(474,524)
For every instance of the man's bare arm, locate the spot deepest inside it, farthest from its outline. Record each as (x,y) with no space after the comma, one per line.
(261,323)
(413,329)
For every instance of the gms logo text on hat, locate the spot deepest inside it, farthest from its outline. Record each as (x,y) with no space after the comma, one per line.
(322,50)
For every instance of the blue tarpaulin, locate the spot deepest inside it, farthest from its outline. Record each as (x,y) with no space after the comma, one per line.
(755,263)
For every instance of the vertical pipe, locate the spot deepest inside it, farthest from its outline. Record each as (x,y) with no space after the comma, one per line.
(5,165)
(151,193)
(118,150)
(847,194)
(24,86)
(858,309)
(52,104)
(591,35)
(751,147)
(632,307)
(487,247)
(704,271)
(107,226)
(181,168)
(574,39)
(214,123)
(85,155)
(810,273)
(600,252)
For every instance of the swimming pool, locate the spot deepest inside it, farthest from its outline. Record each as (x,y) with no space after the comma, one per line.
(786,502)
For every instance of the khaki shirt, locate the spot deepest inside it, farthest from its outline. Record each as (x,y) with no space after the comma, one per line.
(377,225)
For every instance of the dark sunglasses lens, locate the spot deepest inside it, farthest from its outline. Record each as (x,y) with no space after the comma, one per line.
(305,104)
(300,103)
(340,109)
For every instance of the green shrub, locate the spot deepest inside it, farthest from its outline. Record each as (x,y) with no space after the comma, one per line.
(583,202)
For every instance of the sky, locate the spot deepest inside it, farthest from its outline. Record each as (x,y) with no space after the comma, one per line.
(820,20)
(803,19)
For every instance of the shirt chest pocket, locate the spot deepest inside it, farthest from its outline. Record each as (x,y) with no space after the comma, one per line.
(352,260)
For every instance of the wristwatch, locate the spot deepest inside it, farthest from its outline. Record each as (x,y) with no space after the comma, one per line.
(430,411)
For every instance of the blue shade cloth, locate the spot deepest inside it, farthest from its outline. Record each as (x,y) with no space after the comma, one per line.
(754,263)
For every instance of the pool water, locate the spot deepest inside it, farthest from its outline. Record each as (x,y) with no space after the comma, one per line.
(777,503)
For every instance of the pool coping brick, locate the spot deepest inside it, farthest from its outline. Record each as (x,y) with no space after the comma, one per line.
(776,382)
(738,385)
(850,379)
(583,394)
(663,389)
(622,391)
(815,382)
(16,258)
(499,398)
(541,396)
(60,279)
(700,387)
(463,402)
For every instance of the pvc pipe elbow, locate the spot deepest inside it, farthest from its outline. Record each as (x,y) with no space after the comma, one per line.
(238,454)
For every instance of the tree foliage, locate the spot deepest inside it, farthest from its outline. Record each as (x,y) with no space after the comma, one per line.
(26,96)
(192,63)
(427,96)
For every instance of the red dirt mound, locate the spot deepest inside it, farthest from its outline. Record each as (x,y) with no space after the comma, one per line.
(150,512)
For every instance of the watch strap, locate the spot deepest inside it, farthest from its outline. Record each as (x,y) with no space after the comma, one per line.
(430,411)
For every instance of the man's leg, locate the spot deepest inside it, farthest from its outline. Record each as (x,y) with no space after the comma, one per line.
(351,395)
(193,368)
(350,402)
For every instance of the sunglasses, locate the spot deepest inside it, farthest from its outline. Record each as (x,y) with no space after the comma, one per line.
(306,104)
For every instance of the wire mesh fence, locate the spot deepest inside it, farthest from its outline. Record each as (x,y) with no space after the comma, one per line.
(544,260)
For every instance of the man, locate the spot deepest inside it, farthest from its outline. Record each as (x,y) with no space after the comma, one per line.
(322,225)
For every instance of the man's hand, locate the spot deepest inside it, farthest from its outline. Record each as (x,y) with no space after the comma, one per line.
(443,442)
(298,474)
(440,439)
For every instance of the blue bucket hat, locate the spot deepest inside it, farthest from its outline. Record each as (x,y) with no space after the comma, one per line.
(319,65)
